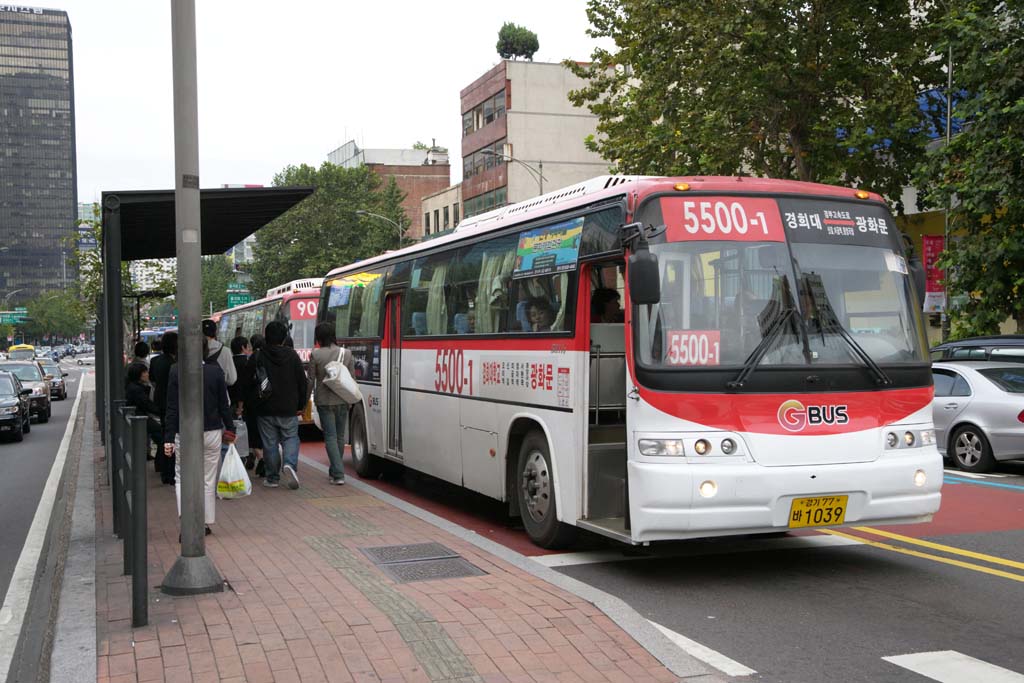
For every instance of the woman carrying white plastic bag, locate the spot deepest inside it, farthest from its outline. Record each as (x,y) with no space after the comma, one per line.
(331,407)
(234,480)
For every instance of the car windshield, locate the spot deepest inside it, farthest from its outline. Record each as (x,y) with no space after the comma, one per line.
(51,369)
(1007,379)
(720,299)
(6,386)
(30,373)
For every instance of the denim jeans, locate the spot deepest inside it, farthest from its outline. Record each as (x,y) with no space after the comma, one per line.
(334,422)
(283,431)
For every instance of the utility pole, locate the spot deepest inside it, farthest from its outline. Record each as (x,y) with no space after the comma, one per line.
(193,572)
(949,204)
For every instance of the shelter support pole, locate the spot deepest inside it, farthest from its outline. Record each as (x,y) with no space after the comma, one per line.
(193,572)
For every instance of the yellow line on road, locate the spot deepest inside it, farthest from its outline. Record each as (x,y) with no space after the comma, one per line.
(944,548)
(926,556)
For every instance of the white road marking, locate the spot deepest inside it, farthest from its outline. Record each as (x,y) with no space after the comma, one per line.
(12,611)
(950,666)
(697,548)
(976,475)
(728,666)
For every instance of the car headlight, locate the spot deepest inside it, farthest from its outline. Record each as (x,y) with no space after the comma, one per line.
(11,410)
(652,447)
(36,391)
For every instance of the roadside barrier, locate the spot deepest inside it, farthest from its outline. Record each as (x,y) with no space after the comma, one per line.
(130,442)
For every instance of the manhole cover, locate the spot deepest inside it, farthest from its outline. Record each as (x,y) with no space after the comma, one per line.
(389,554)
(430,570)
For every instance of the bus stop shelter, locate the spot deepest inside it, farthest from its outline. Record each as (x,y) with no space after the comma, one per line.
(140,224)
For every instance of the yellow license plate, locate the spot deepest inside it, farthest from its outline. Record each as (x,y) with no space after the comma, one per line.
(818,511)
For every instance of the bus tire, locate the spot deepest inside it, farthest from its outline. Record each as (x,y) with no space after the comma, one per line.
(971,450)
(365,464)
(535,490)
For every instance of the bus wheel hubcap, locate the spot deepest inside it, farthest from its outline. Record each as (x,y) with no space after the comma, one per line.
(968,448)
(536,486)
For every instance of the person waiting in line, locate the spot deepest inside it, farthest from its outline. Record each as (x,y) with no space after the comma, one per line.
(240,352)
(252,427)
(331,407)
(605,306)
(278,413)
(218,427)
(136,395)
(540,314)
(159,375)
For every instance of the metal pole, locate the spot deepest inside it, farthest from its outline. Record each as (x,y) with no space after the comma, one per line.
(193,572)
(140,573)
(540,176)
(126,479)
(116,465)
(949,202)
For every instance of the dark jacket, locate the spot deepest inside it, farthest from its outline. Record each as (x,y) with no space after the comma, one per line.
(159,374)
(235,390)
(216,411)
(289,388)
(137,396)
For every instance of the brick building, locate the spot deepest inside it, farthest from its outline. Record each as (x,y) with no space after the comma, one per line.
(418,172)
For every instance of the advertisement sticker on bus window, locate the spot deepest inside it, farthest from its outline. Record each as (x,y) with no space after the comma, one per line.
(551,249)
(830,222)
(693,347)
(339,294)
(895,263)
(303,309)
(736,219)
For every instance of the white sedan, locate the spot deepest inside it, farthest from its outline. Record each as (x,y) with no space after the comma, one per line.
(978,412)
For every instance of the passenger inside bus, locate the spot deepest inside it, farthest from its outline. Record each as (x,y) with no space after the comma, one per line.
(605,306)
(540,314)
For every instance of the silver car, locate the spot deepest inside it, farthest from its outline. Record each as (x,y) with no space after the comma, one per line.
(978,412)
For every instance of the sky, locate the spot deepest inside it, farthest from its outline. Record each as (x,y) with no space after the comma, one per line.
(286,82)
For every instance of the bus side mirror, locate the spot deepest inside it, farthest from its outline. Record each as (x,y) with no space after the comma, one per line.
(644,278)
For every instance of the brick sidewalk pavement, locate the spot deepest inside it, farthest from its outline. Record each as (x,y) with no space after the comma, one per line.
(305,604)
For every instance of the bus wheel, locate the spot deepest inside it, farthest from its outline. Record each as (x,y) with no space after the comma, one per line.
(367,465)
(971,450)
(536,493)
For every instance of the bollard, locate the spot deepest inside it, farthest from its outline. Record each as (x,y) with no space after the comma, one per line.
(139,554)
(128,505)
(116,491)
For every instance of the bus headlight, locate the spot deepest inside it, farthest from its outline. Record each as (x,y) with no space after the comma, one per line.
(708,489)
(891,440)
(908,438)
(702,446)
(728,446)
(655,447)
(927,437)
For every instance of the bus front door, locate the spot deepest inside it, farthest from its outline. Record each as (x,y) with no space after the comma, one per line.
(393,377)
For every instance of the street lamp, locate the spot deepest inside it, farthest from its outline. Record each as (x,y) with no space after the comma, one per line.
(537,173)
(398,226)
(8,296)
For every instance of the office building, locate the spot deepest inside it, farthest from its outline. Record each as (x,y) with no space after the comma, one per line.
(38,195)
(418,172)
(522,137)
(442,210)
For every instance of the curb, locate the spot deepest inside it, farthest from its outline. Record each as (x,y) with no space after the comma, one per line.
(632,622)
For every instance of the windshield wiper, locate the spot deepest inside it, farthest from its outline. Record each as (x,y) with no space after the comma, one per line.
(773,332)
(829,322)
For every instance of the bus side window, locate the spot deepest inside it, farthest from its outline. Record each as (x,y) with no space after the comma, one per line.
(479,297)
(425,310)
(541,303)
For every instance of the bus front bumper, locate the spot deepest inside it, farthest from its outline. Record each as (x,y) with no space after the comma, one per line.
(665,498)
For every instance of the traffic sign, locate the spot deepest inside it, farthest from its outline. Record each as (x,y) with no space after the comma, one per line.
(238,298)
(12,317)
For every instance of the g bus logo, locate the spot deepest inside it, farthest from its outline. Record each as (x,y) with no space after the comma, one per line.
(794,417)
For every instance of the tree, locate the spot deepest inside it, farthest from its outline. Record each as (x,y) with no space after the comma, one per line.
(54,315)
(216,273)
(323,231)
(516,41)
(812,91)
(980,174)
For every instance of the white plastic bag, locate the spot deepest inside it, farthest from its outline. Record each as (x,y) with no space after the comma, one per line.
(339,380)
(234,480)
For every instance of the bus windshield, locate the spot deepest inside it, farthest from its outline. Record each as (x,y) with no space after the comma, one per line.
(720,299)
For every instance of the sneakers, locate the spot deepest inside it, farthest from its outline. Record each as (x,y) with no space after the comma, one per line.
(291,480)
(338,481)
(270,484)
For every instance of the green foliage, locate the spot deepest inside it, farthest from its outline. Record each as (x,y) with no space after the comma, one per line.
(216,274)
(813,91)
(981,172)
(54,314)
(324,232)
(516,41)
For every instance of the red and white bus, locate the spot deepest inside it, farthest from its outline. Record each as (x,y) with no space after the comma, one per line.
(766,371)
(294,303)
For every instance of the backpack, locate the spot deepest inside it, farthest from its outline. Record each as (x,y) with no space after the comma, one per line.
(264,390)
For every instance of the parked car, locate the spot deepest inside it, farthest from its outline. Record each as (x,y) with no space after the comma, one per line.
(978,412)
(1008,348)
(14,407)
(85,360)
(55,376)
(31,375)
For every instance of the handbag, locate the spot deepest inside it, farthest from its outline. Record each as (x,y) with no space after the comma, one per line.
(264,389)
(339,380)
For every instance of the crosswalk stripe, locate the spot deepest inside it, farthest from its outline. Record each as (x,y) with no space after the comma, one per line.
(728,666)
(950,666)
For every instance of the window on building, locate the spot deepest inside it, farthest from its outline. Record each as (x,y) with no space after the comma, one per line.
(488,111)
(426,222)
(447,220)
(437,218)
(455,211)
